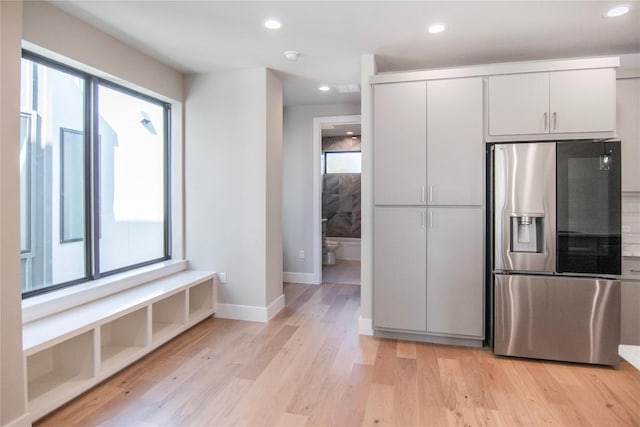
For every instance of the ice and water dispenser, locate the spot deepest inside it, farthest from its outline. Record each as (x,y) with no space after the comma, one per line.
(527,233)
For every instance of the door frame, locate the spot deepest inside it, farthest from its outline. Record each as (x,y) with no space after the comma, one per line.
(317,186)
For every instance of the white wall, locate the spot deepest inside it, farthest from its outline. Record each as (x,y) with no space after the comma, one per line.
(12,393)
(231,133)
(297,181)
(70,38)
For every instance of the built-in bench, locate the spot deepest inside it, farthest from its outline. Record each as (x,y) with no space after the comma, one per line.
(69,352)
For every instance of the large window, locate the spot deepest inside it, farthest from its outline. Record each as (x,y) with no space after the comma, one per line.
(93,177)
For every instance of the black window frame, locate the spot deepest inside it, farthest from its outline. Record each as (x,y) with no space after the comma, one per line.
(92,173)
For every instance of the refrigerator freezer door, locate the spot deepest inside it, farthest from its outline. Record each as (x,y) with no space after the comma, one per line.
(557,318)
(525,207)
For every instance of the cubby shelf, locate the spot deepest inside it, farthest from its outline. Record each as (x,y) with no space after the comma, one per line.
(168,316)
(69,352)
(200,301)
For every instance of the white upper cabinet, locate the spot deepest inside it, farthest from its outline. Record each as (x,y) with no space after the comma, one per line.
(554,103)
(582,101)
(519,104)
(455,148)
(400,143)
(628,112)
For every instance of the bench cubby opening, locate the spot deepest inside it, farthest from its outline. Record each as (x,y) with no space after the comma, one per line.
(123,338)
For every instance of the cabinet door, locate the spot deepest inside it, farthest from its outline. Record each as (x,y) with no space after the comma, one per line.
(455,272)
(519,104)
(455,145)
(400,151)
(628,122)
(400,281)
(582,101)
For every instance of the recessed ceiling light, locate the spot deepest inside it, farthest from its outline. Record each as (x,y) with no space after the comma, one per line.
(617,11)
(437,28)
(291,55)
(324,88)
(349,133)
(273,24)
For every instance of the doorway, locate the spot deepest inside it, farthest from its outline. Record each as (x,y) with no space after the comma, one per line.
(337,201)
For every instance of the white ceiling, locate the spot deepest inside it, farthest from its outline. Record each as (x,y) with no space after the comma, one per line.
(338,129)
(206,36)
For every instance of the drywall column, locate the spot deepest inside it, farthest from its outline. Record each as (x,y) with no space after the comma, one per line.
(233,128)
(367,69)
(273,219)
(12,393)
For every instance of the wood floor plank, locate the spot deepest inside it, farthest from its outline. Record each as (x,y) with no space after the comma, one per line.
(356,394)
(406,349)
(310,367)
(379,409)
(291,420)
(264,354)
(385,366)
(406,408)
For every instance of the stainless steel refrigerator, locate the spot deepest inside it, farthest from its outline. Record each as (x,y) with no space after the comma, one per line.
(557,250)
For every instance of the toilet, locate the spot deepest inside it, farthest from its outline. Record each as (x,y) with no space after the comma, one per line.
(329,251)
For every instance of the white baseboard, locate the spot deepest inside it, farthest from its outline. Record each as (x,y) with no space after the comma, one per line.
(293,277)
(21,421)
(365,326)
(250,313)
(275,307)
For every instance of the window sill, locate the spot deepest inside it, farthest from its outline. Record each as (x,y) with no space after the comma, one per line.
(54,302)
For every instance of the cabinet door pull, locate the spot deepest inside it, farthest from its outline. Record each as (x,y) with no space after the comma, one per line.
(430,219)
(422,195)
(545,121)
(634,271)
(422,219)
(555,120)
(431,193)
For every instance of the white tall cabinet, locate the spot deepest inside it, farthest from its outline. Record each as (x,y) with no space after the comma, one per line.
(429,221)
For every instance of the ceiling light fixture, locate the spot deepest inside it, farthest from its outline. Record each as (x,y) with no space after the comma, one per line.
(617,11)
(324,88)
(349,133)
(347,87)
(436,28)
(291,55)
(273,24)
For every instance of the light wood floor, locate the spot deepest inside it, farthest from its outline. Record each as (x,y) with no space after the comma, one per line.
(309,367)
(343,272)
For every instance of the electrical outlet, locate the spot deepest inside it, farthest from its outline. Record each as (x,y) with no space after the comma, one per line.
(223,277)
(301,254)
